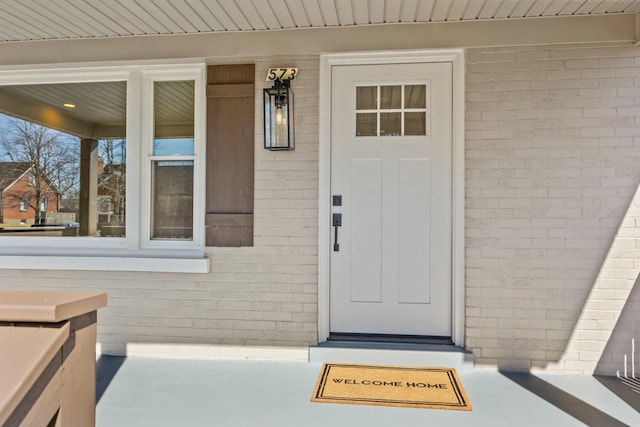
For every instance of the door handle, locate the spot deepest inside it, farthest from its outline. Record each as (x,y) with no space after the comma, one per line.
(337,222)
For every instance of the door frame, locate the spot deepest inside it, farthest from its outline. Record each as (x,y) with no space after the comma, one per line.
(327,61)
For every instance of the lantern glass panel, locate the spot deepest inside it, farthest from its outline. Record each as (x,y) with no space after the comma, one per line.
(278,118)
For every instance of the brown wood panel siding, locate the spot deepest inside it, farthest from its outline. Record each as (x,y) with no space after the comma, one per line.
(230,91)
(230,155)
(227,229)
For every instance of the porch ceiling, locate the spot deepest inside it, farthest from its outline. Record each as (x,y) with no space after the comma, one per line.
(99,27)
(66,19)
(99,107)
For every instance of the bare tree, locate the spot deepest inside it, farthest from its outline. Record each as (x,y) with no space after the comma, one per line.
(52,156)
(112,179)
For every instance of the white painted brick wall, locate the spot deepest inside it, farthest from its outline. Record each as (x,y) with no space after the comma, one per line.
(552,248)
(264,295)
(552,214)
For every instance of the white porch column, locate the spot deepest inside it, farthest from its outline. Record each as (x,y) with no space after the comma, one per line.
(88,203)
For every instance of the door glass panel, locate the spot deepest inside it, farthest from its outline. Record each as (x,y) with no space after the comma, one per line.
(415,96)
(367,98)
(390,97)
(390,124)
(398,110)
(366,124)
(414,124)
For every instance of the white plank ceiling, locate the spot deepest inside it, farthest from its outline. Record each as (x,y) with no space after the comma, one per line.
(22,20)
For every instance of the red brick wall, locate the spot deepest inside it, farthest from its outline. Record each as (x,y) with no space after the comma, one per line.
(13,195)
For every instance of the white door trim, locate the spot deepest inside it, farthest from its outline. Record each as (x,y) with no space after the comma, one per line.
(456,57)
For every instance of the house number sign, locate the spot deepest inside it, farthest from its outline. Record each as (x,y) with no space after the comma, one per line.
(281,74)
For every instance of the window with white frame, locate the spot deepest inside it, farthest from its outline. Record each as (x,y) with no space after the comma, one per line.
(44,204)
(172,160)
(120,151)
(24,203)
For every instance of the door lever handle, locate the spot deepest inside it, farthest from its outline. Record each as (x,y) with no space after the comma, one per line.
(337,222)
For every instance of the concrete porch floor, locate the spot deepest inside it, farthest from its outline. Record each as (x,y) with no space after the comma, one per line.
(173,392)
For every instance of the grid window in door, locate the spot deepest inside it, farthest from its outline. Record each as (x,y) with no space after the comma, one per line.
(392,110)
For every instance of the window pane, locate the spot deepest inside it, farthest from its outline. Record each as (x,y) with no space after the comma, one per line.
(414,124)
(172,200)
(172,179)
(367,98)
(173,147)
(366,124)
(112,194)
(54,142)
(390,124)
(173,112)
(415,96)
(390,97)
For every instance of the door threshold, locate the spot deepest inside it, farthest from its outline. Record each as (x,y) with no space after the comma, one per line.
(391,350)
(338,337)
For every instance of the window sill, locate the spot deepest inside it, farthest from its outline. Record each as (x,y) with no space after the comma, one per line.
(105,263)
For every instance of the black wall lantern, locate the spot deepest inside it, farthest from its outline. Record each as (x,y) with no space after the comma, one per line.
(278,110)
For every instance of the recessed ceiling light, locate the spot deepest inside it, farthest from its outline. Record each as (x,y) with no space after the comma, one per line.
(69,105)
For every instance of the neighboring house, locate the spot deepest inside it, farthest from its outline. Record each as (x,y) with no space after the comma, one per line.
(19,203)
(484,157)
(111,198)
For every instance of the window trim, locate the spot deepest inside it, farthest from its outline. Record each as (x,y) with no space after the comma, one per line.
(112,253)
(105,263)
(147,156)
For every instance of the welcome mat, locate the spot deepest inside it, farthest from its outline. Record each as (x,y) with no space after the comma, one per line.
(437,388)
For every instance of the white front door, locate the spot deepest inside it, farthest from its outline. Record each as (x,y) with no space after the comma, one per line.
(391,182)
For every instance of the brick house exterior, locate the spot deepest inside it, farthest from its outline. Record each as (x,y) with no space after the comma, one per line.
(18,202)
(550,205)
